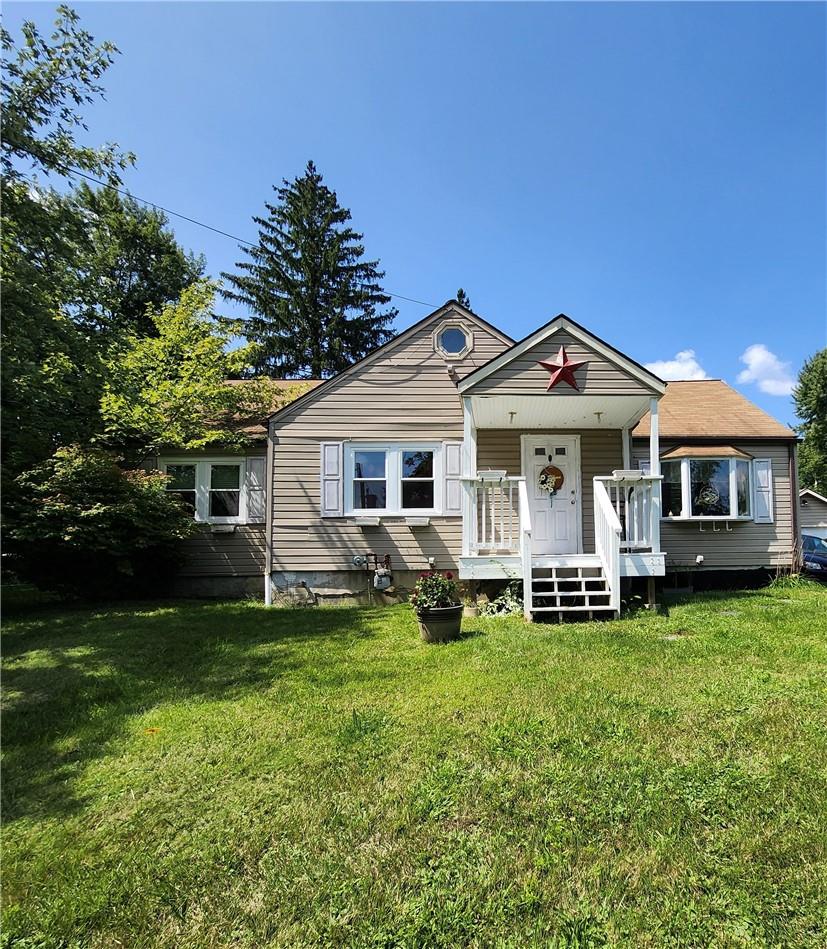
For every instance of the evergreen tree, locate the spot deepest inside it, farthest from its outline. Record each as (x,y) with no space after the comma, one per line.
(810,395)
(317,306)
(463,299)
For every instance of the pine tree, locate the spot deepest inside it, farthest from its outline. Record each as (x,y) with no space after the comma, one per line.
(317,306)
(463,299)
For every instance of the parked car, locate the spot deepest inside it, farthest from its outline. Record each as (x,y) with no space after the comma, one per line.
(815,554)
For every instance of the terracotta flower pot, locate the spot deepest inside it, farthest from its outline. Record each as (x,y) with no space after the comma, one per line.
(440,624)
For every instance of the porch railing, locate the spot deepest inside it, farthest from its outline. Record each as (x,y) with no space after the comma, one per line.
(494,514)
(607,531)
(635,499)
(525,545)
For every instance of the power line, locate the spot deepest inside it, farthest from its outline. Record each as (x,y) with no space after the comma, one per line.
(209,227)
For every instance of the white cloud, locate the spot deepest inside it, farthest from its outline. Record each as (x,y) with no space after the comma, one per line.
(765,368)
(683,366)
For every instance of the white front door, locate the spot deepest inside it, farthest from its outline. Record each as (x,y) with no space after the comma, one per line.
(555,518)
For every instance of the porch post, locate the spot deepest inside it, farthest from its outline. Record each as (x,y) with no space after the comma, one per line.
(627,451)
(469,469)
(654,469)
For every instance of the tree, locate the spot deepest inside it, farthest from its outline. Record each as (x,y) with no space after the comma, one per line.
(810,395)
(132,262)
(316,304)
(170,390)
(50,370)
(86,527)
(463,299)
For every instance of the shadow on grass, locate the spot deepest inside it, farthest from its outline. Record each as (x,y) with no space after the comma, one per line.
(74,677)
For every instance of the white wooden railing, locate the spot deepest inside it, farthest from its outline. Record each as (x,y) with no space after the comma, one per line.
(525,545)
(494,514)
(635,499)
(607,531)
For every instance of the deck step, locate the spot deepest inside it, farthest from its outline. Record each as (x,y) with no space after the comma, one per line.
(574,583)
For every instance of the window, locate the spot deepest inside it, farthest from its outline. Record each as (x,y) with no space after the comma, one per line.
(671,500)
(453,341)
(392,479)
(370,485)
(182,483)
(219,490)
(714,488)
(709,488)
(417,479)
(225,490)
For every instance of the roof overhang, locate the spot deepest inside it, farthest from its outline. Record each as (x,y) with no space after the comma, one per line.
(563,323)
(526,412)
(812,494)
(705,451)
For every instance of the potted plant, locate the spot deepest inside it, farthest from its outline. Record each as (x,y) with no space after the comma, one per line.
(437,607)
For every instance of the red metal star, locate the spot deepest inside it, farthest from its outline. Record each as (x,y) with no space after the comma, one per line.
(563,369)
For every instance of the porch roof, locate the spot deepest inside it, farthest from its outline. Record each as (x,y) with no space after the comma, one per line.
(600,368)
(576,411)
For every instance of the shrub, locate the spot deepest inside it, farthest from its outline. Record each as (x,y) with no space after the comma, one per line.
(85,527)
(508,603)
(434,590)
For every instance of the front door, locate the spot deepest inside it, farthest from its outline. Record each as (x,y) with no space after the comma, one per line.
(555,517)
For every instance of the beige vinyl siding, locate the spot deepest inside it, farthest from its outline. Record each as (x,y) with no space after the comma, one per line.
(239,553)
(404,393)
(746,544)
(601,452)
(522,376)
(813,513)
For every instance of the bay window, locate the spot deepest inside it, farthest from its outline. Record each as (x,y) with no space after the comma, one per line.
(392,479)
(703,486)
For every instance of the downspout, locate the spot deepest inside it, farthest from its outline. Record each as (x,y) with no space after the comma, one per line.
(268,518)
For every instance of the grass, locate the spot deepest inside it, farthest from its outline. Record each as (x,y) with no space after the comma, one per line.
(197,775)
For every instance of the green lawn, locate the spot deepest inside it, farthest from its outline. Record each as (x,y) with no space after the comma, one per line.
(196,775)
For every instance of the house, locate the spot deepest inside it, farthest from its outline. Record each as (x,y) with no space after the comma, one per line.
(557,461)
(813,513)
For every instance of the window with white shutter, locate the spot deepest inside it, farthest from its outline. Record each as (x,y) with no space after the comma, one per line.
(452,452)
(762,490)
(331,479)
(256,490)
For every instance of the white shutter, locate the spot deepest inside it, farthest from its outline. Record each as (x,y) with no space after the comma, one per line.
(452,461)
(762,510)
(256,490)
(331,478)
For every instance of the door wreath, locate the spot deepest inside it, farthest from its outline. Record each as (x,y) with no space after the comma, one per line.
(551,480)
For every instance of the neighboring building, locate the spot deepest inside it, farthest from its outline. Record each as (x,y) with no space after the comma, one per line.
(439,449)
(813,513)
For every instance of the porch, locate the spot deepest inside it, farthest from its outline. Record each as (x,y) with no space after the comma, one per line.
(550,495)
(571,546)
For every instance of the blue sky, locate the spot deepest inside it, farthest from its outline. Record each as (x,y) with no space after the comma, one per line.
(656,171)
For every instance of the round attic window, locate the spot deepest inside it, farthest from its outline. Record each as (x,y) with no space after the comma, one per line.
(453,341)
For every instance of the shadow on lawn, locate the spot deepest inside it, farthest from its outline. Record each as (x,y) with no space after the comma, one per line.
(74,677)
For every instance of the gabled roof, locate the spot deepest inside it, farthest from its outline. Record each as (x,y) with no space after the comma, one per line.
(561,322)
(449,305)
(709,408)
(812,494)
